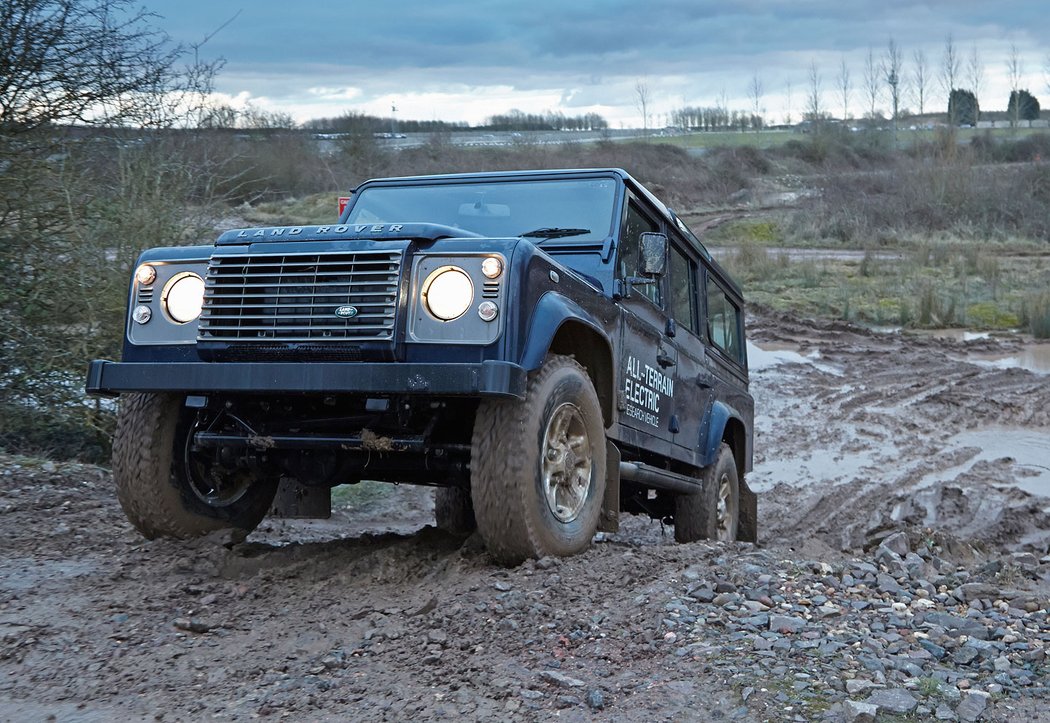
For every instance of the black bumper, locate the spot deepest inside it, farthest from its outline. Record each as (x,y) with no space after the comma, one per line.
(491,378)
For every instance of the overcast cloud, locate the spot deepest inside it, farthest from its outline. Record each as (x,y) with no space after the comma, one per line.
(468,60)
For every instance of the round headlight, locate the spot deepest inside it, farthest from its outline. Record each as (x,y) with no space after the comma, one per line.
(448,293)
(184,297)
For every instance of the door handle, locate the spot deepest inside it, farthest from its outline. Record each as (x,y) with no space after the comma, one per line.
(705,380)
(664,361)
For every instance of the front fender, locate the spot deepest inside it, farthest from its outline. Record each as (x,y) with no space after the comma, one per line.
(551,312)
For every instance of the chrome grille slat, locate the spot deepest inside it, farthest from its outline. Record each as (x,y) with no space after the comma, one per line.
(267,298)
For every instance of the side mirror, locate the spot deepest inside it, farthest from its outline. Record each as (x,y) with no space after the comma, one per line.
(654,254)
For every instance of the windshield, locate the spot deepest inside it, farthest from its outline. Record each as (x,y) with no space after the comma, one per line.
(542,209)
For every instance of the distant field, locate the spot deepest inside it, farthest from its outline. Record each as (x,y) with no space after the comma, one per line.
(771,139)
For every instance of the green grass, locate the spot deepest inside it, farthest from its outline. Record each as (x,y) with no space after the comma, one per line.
(360,495)
(949,286)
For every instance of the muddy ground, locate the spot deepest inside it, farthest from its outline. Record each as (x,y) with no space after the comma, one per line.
(374,615)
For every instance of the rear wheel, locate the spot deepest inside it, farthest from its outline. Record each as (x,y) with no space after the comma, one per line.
(538,466)
(714,513)
(168,489)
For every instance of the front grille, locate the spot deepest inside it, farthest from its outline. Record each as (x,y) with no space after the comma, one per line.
(267,298)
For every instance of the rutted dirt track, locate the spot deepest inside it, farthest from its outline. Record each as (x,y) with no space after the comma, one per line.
(376,616)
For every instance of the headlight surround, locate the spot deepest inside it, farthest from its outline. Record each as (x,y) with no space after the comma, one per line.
(183,297)
(447,293)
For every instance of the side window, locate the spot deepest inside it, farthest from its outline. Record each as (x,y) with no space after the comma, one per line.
(723,321)
(683,290)
(628,259)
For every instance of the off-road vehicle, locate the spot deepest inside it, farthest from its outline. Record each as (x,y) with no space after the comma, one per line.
(548,349)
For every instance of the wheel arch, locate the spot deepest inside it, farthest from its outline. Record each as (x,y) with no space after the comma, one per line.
(560,326)
(725,426)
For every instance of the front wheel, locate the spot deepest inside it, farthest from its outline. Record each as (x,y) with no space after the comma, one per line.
(714,513)
(168,489)
(538,466)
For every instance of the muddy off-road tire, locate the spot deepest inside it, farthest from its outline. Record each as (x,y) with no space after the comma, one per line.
(152,471)
(538,466)
(713,514)
(453,511)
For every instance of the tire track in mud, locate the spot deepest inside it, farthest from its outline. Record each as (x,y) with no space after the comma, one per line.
(851,440)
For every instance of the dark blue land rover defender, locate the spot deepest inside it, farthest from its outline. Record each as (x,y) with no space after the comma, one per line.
(548,349)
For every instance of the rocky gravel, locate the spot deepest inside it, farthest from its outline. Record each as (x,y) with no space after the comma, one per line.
(374,615)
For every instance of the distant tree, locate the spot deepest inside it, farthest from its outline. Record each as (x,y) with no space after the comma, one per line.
(845,87)
(872,81)
(1023,105)
(1015,70)
(920,79)
(950,74)
(962,106)
(642,99)
(754,93)
(893,68)
(814,99)
(787,115)
(975,74)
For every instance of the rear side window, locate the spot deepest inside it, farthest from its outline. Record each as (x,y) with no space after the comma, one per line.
(723,322)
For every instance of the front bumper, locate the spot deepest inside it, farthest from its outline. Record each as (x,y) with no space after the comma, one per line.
(490,378)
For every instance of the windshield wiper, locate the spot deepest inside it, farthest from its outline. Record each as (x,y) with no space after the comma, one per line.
(556,232)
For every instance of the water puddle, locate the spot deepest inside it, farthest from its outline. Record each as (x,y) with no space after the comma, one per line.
(1034,358)
(1029,450)
(773,354)
(953,334)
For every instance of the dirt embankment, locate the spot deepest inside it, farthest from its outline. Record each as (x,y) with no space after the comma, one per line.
(901,567)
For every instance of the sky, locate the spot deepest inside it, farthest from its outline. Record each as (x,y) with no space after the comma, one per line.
(465,61)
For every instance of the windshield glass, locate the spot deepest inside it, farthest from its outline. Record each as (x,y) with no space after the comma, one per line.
(580,209)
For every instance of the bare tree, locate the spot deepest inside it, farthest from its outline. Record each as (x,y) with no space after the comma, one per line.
(1015,71)
(950,64)
(86,185)
(892,68)
(872,82)
(91,62)
(642,99)
(845,86)
(787,115)
(920,79)
(754,93)
(814,98)
(975,74)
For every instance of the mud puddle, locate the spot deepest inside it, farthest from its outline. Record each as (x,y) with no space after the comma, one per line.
(773,354)
(1034,358)
(1022,454)
(1019,351)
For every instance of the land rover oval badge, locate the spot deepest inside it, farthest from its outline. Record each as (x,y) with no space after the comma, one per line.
(346,312)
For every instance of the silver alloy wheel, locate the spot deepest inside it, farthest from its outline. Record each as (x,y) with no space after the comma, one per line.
(726,513)
(566,463)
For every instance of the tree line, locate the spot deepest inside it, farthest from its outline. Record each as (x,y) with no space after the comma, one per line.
(513,120)
(888,82)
